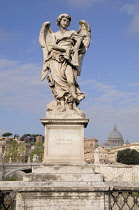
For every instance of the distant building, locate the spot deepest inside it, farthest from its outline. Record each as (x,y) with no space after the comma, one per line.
(90,144)
(112,155)
(115,139)
(5,140)
(90,155)
(39,139)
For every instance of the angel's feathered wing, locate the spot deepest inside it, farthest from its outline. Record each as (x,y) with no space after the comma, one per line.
(45,42)
(85,32)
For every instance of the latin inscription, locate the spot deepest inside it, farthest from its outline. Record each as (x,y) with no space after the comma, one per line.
(62,141)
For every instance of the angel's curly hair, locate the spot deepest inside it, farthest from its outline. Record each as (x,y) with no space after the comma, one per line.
(62,16)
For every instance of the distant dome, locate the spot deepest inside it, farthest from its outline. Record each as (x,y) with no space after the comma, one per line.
(115,139)
(115,134)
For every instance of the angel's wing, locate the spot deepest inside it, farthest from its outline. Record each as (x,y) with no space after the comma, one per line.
(85,33)
(45,42)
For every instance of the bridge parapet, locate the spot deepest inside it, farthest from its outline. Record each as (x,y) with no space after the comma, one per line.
(90,195)
(9,168)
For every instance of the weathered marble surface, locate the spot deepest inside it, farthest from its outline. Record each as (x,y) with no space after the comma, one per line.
(118,172)
(63,173)
(64,195)
(54,111)
(63,52)
(64,140)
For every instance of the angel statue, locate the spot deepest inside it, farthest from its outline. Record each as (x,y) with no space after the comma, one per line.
(63,53)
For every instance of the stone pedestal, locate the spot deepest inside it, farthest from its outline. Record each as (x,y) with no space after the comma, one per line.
(60,173)
(63,165)
(63,153)
(64,141)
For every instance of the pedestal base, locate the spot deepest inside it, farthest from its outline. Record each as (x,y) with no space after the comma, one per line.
(64,141)
(60,173)
(62,196)
(63,171)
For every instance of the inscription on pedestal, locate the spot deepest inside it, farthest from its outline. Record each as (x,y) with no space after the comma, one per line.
(64,142)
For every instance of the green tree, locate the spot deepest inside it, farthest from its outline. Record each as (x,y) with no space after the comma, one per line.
(16,151)
(128,156)
(38,150)
(7,134)
(29,138)
(25,135)
(16,136)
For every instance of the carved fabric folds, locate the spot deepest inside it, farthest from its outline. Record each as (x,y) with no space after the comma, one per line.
(58,63)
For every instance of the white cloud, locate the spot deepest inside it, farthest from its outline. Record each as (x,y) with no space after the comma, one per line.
(132,9)
(134,26)
(21,89)
(108,104)
(20,86)
(134,84)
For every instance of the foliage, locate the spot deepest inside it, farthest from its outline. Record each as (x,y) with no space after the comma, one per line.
(16,151)
(38,150)
(29,138)
(7,134)
(10,179)
(25,135)
(128,156)
(16,136)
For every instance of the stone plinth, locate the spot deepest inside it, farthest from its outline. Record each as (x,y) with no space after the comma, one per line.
(64,141)
(59,195)
(61,173)
(66,195)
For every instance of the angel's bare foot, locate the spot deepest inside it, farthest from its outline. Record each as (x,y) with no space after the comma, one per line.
(69,106)
(62,109)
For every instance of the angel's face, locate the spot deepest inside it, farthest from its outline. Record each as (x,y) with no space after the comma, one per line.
(64,23)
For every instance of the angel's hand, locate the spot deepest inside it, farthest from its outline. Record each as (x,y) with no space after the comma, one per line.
(56,47)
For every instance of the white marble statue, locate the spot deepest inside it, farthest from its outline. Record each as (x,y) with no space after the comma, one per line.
(35,158)
(63,53)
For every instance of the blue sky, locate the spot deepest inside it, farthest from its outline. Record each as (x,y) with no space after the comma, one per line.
(110,73)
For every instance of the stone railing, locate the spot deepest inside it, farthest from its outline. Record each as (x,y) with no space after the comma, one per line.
(118,172)
(92,196)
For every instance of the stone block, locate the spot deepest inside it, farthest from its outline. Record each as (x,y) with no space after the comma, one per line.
(64,141)
(61,200)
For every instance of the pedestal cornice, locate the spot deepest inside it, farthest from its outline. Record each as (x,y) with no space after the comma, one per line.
(46,121)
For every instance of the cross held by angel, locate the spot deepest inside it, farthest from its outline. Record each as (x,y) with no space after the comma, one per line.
(63,52)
